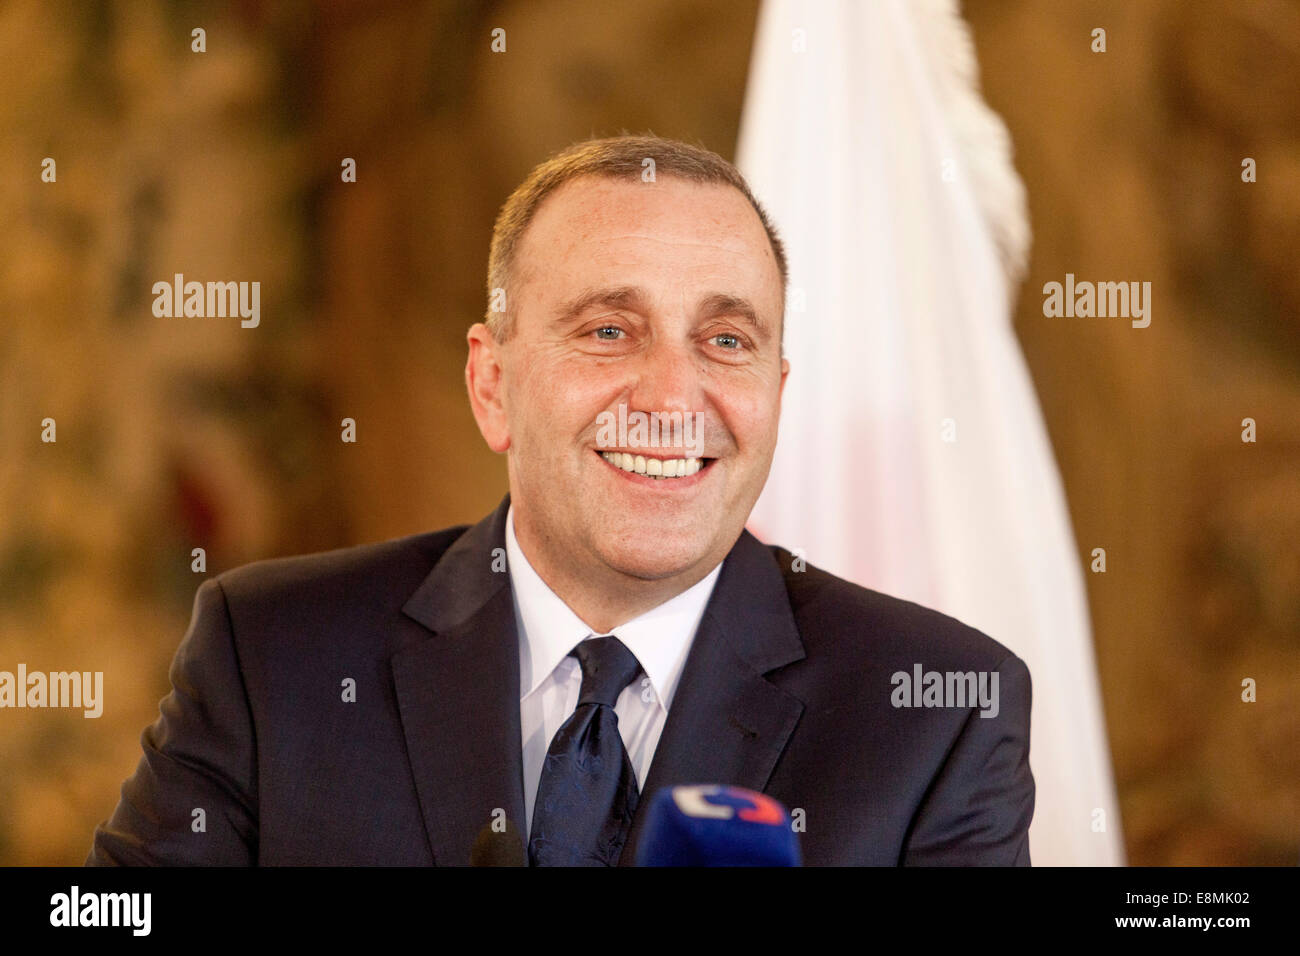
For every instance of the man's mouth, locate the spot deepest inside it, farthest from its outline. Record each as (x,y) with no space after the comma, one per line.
(657,468)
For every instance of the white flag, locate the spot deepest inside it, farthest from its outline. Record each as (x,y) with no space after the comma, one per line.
(913,458)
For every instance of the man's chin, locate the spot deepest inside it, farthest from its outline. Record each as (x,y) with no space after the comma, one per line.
(652,562)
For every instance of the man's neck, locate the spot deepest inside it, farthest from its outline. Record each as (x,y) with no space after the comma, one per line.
(604,598)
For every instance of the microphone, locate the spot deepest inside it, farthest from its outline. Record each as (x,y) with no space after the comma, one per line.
(498,847)
(713,825)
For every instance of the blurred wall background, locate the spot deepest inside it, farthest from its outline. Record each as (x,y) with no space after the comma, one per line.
(225,165)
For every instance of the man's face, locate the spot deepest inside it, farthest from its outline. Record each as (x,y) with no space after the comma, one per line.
(662,297)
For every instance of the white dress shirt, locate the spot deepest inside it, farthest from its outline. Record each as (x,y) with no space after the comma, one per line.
(550,679)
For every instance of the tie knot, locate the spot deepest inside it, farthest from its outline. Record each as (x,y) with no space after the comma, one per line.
(607,667)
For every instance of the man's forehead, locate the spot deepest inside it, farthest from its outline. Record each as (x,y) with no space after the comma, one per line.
(609,202)
(592,210)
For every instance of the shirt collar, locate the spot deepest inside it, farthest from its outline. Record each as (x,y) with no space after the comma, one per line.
(548,629)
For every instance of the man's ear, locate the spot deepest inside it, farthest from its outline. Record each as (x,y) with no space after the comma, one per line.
(484,376)
(785,371)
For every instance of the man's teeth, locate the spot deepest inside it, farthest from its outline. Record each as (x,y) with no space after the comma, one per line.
(653,467)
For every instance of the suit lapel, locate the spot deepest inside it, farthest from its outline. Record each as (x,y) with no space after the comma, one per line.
(727,724)
(458,694)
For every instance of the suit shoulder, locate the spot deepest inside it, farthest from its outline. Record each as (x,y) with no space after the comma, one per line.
(847,616)
(397,564)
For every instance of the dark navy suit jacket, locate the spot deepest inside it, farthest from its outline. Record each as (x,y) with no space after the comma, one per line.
(787,690)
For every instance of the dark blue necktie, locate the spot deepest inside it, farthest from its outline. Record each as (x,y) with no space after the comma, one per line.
(588,792)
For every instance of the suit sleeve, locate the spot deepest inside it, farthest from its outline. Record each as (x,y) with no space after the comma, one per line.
(978,808)
(198,755)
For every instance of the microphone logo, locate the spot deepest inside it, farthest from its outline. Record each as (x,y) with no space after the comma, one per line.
(716,825)
(714,802)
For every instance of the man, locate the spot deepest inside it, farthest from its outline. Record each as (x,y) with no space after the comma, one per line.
(515,691)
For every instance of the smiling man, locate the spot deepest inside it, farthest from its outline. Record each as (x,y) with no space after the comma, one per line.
(516,690)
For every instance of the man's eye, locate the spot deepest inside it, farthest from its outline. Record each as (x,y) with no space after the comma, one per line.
(614,331)
(727,341)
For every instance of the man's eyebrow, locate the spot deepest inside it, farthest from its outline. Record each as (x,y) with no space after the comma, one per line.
(619,297)
(722,304)
(626,296)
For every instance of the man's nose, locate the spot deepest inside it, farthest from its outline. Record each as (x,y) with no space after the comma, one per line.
(668,380)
